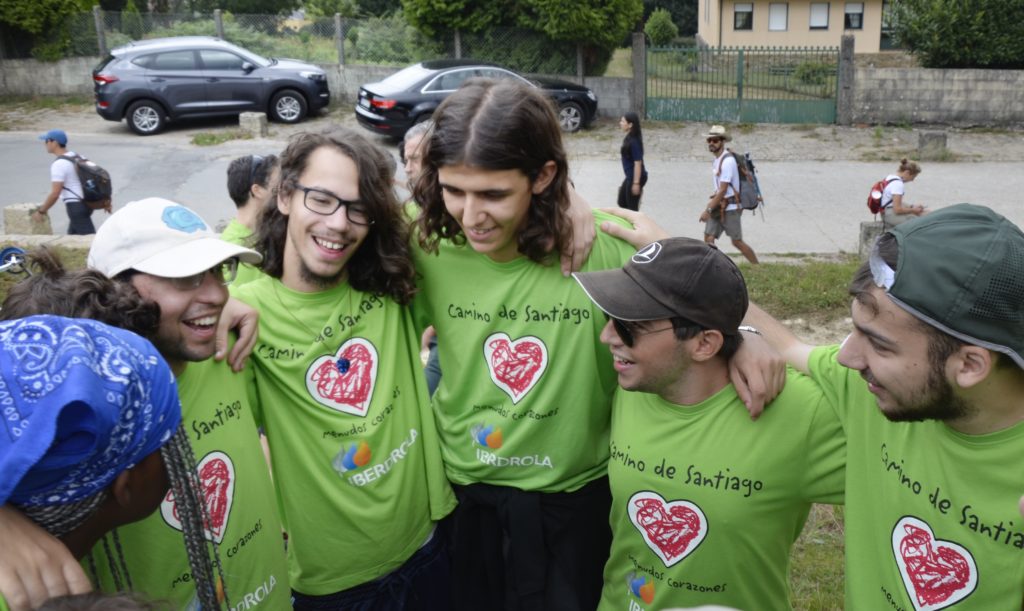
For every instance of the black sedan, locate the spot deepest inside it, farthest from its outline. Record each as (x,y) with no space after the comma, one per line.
(410,96)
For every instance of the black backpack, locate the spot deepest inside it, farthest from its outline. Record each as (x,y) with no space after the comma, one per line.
(96,186)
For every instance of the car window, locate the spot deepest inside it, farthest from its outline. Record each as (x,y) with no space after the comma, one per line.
(497,73)
(144,60)
(220,60)
(173,60)
(450,81)
(406,77)
(103,63)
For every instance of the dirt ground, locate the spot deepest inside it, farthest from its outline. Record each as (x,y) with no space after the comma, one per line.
(667,141)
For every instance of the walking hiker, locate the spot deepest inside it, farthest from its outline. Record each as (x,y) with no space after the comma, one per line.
(723,210)
(65,185)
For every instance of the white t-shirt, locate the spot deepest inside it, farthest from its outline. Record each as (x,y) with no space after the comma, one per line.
(63,170)
(894,187)
(724,169)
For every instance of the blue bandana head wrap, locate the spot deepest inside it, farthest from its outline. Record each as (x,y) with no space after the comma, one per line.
(80,403)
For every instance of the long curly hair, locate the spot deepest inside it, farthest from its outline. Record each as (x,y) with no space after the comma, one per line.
(497,125)
(383,263)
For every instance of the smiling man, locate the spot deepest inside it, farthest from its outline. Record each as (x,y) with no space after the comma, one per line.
(354,450)
(705,502)
(930,389)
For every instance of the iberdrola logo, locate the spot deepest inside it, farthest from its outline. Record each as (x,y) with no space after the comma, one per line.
(642,587)
(352,457)
(487,436)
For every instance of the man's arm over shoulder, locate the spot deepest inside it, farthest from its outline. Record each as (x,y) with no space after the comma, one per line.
(796,353)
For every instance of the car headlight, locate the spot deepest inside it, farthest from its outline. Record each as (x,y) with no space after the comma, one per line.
(313,76)
(590,94)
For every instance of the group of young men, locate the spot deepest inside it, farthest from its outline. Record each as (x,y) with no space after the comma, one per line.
(913,423)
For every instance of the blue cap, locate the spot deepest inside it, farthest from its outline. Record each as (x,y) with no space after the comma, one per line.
(80,403)
(57,135)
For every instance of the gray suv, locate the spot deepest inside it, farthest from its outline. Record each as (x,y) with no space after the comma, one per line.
(150,82)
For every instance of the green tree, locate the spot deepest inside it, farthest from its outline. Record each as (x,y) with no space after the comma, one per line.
(961,33)
(684,13)
(660,28)
(433,17)
(256,7)
(131,21)
(600,23)
(40,16)
(327,8)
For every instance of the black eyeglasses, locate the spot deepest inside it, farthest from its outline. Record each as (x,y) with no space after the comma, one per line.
(711,140)
(628,331)
(224,273)
(254,167)
(326,203)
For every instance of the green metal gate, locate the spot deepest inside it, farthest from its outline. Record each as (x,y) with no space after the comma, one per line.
(748,85)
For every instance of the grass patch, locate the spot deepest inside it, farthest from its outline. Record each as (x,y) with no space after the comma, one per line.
(50,102)
(811,288)
(816,573)
(621,64)
(215,138)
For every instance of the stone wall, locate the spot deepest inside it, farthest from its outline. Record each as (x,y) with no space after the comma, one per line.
(928,95)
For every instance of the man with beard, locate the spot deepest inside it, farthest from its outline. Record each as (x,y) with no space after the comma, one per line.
(930,388)
(723,210)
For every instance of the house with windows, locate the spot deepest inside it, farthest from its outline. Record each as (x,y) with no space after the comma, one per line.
(796,23)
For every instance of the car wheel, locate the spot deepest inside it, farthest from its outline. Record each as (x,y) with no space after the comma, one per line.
(288,106)
(570,117)
(145,117)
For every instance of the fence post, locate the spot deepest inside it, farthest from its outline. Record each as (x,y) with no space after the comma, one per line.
(101,39)
(739,86)
(579,63)
(339,38)
(458,45)
(845,86)
(638,95)
(218,23)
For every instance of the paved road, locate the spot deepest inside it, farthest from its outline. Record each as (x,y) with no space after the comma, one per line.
(813,206)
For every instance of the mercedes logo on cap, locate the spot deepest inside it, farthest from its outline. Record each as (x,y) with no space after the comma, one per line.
(647,253)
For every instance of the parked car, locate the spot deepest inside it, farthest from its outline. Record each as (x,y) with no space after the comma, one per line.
(410,95)
(150,82)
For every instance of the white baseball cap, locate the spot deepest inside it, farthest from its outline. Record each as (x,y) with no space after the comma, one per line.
(162,238)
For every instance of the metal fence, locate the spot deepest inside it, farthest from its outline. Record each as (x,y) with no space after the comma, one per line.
(388,41)
(782,84)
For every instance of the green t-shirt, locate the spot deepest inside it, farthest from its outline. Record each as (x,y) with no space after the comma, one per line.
(525,394)
(237,233)
(707,503)
(931,513)
(221,427)
(355,454)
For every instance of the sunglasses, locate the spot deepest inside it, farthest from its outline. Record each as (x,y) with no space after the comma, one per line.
(714,140)
(628,331)
(254,167)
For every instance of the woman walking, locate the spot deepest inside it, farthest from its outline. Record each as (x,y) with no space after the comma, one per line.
(894,210)
(632,153)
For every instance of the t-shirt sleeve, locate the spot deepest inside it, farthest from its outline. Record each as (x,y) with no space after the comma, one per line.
(729,172)
(59,170)
(834,379)
(824,450)
(636,151)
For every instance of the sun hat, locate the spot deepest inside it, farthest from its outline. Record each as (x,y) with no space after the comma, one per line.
(675,277)
(83,402)
(960,270)
(717,131)
(160,237)
(57,135)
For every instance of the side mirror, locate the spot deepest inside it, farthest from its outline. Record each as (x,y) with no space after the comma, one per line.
(248,67)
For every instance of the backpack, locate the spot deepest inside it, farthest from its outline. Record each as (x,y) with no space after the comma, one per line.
(750,190)
(96,186)
(875,195)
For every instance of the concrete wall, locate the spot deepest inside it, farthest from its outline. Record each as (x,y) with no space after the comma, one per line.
(925,95)
(70,76)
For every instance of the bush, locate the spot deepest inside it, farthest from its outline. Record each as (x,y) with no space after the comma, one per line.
(961,33)
(660,29)
(813,73)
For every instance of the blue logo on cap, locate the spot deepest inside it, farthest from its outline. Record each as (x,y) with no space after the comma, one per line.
(182,219)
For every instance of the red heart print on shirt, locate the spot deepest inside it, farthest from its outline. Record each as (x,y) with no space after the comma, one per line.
(936,573)
(352,390)
(515,366)
(671,529)
(217,476)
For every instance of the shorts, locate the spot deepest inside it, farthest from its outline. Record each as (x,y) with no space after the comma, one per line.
(731,225)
